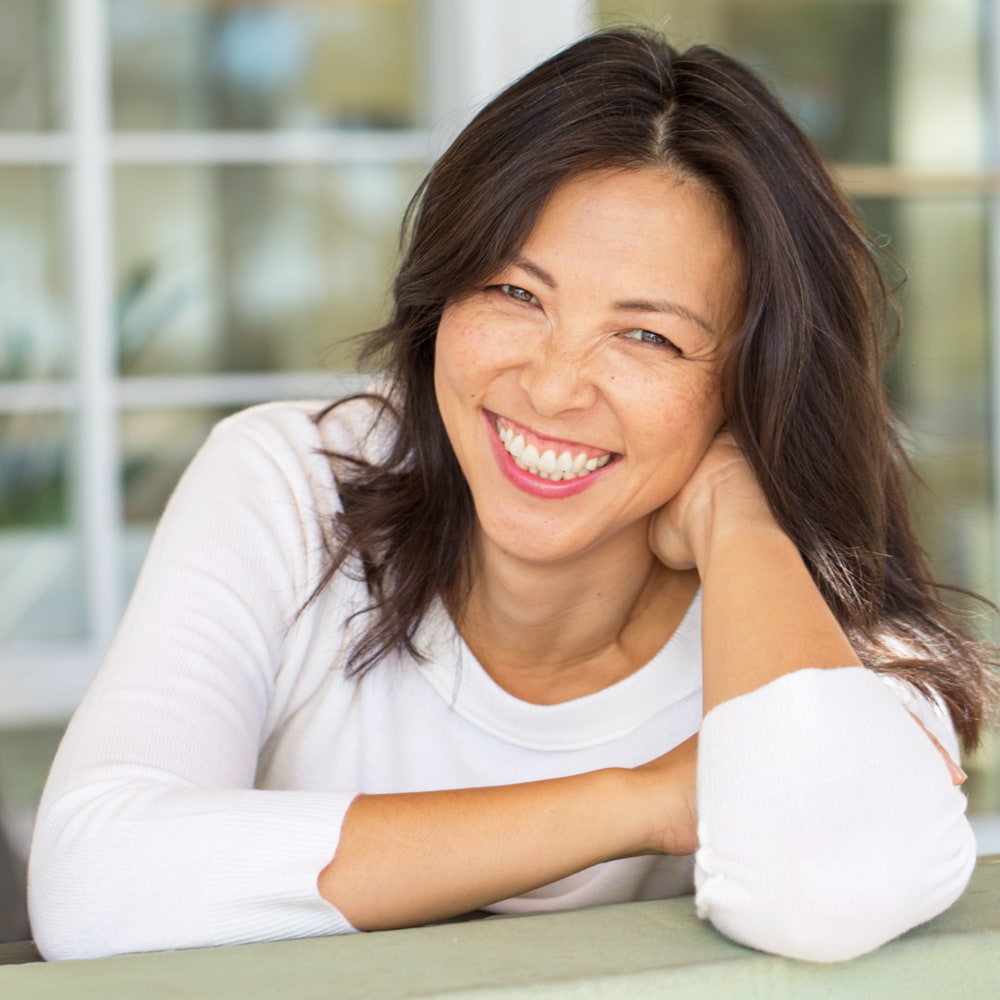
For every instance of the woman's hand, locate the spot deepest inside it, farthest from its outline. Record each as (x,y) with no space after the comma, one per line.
(720,494)
(669,790)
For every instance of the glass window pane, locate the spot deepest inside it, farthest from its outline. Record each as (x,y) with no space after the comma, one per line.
(253,268)
(872,80)
(157,445)
(34,340)
(939,376)
(283,64)
(29,65)
(41,555)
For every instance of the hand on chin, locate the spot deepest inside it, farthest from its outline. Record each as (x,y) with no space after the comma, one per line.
(721,491)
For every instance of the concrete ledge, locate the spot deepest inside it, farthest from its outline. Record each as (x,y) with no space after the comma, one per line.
(631,950)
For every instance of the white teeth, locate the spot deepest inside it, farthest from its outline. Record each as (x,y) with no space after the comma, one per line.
(548,465)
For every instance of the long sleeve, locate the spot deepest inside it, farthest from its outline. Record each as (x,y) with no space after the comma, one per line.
(151,834)
(828,821)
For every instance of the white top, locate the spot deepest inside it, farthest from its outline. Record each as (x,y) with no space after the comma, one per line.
(202,784)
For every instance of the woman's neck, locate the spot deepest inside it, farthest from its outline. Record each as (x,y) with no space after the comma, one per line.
(548,633)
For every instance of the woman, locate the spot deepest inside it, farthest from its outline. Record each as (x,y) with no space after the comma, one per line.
(631,501)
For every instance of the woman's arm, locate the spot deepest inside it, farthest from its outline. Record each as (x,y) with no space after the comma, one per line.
(762,614)
(829,822)
(410,859)
(150,833)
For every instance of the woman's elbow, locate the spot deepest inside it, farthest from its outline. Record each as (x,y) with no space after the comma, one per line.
(92,880)
(823,908)
(60,925)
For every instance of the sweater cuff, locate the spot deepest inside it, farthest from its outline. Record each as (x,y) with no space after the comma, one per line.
(263,881)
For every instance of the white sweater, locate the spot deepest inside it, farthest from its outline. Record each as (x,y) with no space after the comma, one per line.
(202,784)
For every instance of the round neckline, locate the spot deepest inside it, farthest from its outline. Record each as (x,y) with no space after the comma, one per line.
(673,673)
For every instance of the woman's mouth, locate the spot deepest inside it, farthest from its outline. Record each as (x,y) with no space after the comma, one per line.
(546,459)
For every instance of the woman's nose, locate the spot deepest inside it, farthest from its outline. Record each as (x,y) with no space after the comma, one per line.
(558,377)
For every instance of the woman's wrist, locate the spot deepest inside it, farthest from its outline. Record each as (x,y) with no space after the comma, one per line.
(743,538)
(730,524)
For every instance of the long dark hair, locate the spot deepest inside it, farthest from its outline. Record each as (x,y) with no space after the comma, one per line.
(801,381)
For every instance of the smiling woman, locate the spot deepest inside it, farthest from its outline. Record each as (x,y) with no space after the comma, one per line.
(610,592)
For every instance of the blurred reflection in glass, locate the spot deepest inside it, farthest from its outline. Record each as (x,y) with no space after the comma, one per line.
(939,375)
(41,564)
(34,341)
(876,81)
(253,268)
(30,65)
(157,445)
(243,65)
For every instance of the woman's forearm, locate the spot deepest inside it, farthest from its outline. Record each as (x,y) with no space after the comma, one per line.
(763,615)
(412,858)
(818,786)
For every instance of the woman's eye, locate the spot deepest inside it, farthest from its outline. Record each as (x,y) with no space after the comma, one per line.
(648,337)
(519,294)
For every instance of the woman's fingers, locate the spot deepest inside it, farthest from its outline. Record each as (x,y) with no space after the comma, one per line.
(721,484)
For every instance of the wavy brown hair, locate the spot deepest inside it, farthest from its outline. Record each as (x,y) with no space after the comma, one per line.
(802,386)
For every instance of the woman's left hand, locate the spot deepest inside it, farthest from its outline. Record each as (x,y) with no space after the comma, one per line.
(721,491)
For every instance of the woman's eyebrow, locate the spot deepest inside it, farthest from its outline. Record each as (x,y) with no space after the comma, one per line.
(540,273)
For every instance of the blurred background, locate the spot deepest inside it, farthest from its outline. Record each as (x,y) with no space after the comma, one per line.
(199,206)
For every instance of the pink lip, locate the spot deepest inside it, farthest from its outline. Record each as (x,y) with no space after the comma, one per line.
(535,485)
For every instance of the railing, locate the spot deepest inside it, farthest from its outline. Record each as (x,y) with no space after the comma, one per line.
(631,950)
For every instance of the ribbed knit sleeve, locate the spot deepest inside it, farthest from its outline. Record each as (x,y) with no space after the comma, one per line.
(151,833)
(828,821)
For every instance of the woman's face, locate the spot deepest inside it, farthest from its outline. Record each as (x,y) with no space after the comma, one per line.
(579,386)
